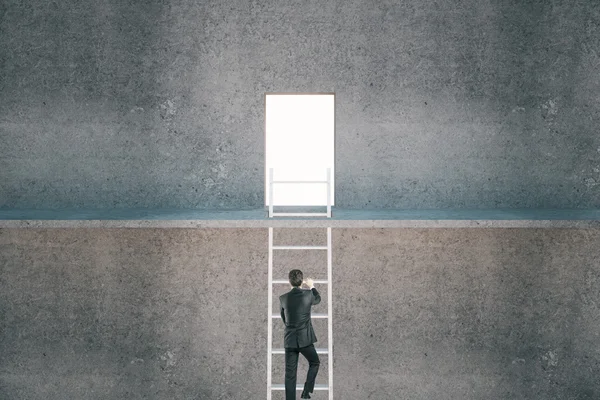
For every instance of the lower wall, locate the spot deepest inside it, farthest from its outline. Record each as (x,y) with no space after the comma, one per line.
(182,313)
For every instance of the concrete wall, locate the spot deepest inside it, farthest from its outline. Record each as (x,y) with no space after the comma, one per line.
(181,313)
(440,104)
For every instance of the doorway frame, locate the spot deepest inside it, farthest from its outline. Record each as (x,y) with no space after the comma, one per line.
(266,172)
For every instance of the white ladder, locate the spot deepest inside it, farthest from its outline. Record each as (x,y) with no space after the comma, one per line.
(276,316)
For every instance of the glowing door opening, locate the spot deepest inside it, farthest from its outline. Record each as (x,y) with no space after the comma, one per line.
(299,146)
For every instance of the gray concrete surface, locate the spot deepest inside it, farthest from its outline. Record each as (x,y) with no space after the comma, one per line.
(181,313)
(440,104)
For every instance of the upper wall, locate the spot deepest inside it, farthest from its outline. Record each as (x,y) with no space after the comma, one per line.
(471,104)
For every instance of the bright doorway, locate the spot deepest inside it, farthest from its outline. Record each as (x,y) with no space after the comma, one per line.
(299,146)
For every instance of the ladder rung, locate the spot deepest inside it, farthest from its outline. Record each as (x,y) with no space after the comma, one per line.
(281,214)
(299,247)
(281,386)
(315,315)
(319,350)
(299,214)
(286,281)
(299,181)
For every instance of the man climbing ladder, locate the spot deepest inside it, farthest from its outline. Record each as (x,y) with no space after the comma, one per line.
(299,334)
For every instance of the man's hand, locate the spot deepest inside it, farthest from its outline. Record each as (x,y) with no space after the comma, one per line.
(309,282)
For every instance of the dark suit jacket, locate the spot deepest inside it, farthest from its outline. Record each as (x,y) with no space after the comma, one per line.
(295,313)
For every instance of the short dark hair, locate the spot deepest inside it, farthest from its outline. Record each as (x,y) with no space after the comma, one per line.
(296,277)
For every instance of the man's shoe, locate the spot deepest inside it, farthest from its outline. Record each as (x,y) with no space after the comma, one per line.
(305,395)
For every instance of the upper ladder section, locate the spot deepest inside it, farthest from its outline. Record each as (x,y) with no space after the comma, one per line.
(313,214)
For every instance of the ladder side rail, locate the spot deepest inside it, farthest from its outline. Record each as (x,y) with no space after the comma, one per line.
(270,192)
(328,192)
(330,313)
(270,320)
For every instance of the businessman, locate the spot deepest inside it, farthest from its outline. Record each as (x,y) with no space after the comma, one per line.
(299,335)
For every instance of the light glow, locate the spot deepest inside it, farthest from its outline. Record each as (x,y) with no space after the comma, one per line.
(299,146)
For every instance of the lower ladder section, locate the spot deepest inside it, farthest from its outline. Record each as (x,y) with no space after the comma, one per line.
(328,351)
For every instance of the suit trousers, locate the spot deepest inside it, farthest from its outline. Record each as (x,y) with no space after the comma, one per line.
(291,369)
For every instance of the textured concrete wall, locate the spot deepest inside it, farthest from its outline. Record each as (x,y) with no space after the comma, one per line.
(440,104)
(181,313)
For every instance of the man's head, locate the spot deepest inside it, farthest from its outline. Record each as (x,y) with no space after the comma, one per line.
(296,277)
